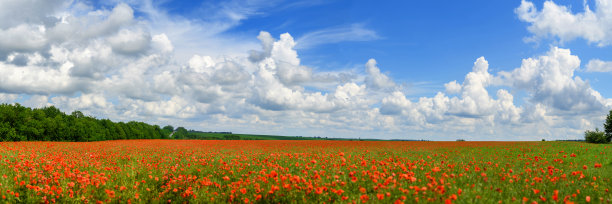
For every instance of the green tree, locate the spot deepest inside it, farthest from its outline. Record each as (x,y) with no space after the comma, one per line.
(608,126)
(595,136)
(181,133)
(6,132)
(52,111)
(168,128)
(19,123)
(166,131)
(77,114)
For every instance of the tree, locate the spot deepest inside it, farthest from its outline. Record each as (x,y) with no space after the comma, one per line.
(77,114)
(7,133)
(19,123)
(166,131)
(595,136)
(608,126)
(181,133)
(51,111)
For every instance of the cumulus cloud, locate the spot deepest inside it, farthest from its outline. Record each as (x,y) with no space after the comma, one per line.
(40,80)
(550,80)
(22,38)
(473,102)
(130,41)
(597,65)
(558,21)
(83,102)
(375,79)
(452,87)
(37,12)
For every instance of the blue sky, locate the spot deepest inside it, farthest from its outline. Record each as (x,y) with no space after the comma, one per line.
(416,41)
(478,70)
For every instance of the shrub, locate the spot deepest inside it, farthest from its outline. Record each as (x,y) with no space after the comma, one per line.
(595,136)
(460,140)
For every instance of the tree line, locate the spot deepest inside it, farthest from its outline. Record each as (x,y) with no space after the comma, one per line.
(19,123)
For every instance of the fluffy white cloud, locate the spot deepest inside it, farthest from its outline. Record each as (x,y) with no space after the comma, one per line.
(131,41)
(38,11)
(40,80)
(83,102)
(550,80)
(596,65)
(22,38)
(474,102)
(559,21)
(452,87)
(375,79)
(162,43)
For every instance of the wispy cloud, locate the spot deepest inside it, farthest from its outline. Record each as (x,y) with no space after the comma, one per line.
(352,32)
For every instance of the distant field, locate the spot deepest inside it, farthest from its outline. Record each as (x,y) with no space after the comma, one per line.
(317,171)
(224,136)
(230,136)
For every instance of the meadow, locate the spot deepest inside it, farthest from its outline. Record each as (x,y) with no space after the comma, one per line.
(317,171)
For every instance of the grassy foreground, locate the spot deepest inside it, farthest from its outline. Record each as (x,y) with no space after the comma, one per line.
(196,171)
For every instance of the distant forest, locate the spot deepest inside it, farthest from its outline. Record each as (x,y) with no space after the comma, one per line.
(19,123)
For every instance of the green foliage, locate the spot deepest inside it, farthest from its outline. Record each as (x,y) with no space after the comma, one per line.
(166,131)
(595,136)
(18,123)
(180,133)
(608,126)
(231,137)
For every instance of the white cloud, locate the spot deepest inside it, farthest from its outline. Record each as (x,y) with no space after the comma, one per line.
(131,41)
(353,32)
(394,104)
(8,98)
(37,101)
(596,65)
(15,12)
(550,80)
(452,87)
(506,110)
(83,102)
(475,100)
(39,80)
(162,43)
(22,38)
(558,21)
(375,79)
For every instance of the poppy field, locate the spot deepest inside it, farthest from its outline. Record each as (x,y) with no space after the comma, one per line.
(194,171)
